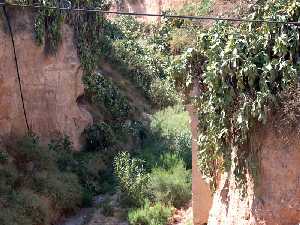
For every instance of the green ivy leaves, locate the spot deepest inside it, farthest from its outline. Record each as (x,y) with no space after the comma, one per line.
(102,91)
(48,23)
(247,67)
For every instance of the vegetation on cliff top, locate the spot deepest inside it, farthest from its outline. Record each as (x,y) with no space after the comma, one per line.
(241,72)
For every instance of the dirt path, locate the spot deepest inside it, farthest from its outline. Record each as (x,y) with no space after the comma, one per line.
(95,216)
(79,219)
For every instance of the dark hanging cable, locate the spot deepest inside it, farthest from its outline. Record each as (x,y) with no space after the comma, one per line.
(69,8)
(17,66)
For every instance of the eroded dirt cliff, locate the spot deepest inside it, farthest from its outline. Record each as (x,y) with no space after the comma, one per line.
(274,198)
(50,84)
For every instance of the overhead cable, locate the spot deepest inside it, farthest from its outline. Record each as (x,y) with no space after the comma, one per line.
(154,14)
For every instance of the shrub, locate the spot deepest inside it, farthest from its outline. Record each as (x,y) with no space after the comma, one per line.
(181,145)
(30,205)
(131,177)
(8,178)
(168,160)
(197,8)
(171,125)
(182,39)
(107,208)
(163,93)
(133,131)
(63,189)
(63,150)
(87,198)
(33,175)
(14,216)
(99,137)
(93,172)
(171,186)
(28,150)
(102,91)
(3,156)
(157,214)
(171,121)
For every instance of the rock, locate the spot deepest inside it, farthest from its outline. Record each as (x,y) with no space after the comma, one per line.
(275,198)
(98,200)
(202,196)
(51,84)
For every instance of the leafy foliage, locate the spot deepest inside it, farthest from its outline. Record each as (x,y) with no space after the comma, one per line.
(170,129)
(25,207)
(163,93)
(157,214)
(131,177)
(197,8)
(141,53)
(102,91)
(28,178)
(99,137)
(171,185)
(48,23)
(241,71)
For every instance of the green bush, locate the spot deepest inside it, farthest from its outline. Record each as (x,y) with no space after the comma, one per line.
(29,151)
(181,144)
(87,199)
(63,189)
(3,156)
(197,8)
(131,131)
(24,207)
(182,39)
(171,126)
(157,214)
(92,168)
(31,205)
(14,216)
(8,177)
(168,160)
(171,121)
(163,93)
(171,185)
(31,173)
(94,173)
(63,151)
(132,178)
(102,91)
(99,137)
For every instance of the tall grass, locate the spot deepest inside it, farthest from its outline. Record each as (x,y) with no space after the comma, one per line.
(163,165)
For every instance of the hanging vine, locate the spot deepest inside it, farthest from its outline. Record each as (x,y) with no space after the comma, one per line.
(47,27)
(242,70)
(247,68)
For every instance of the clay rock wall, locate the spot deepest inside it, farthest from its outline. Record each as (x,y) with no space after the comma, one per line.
(151,6)
(51,84)
(201,194)
(275,199)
